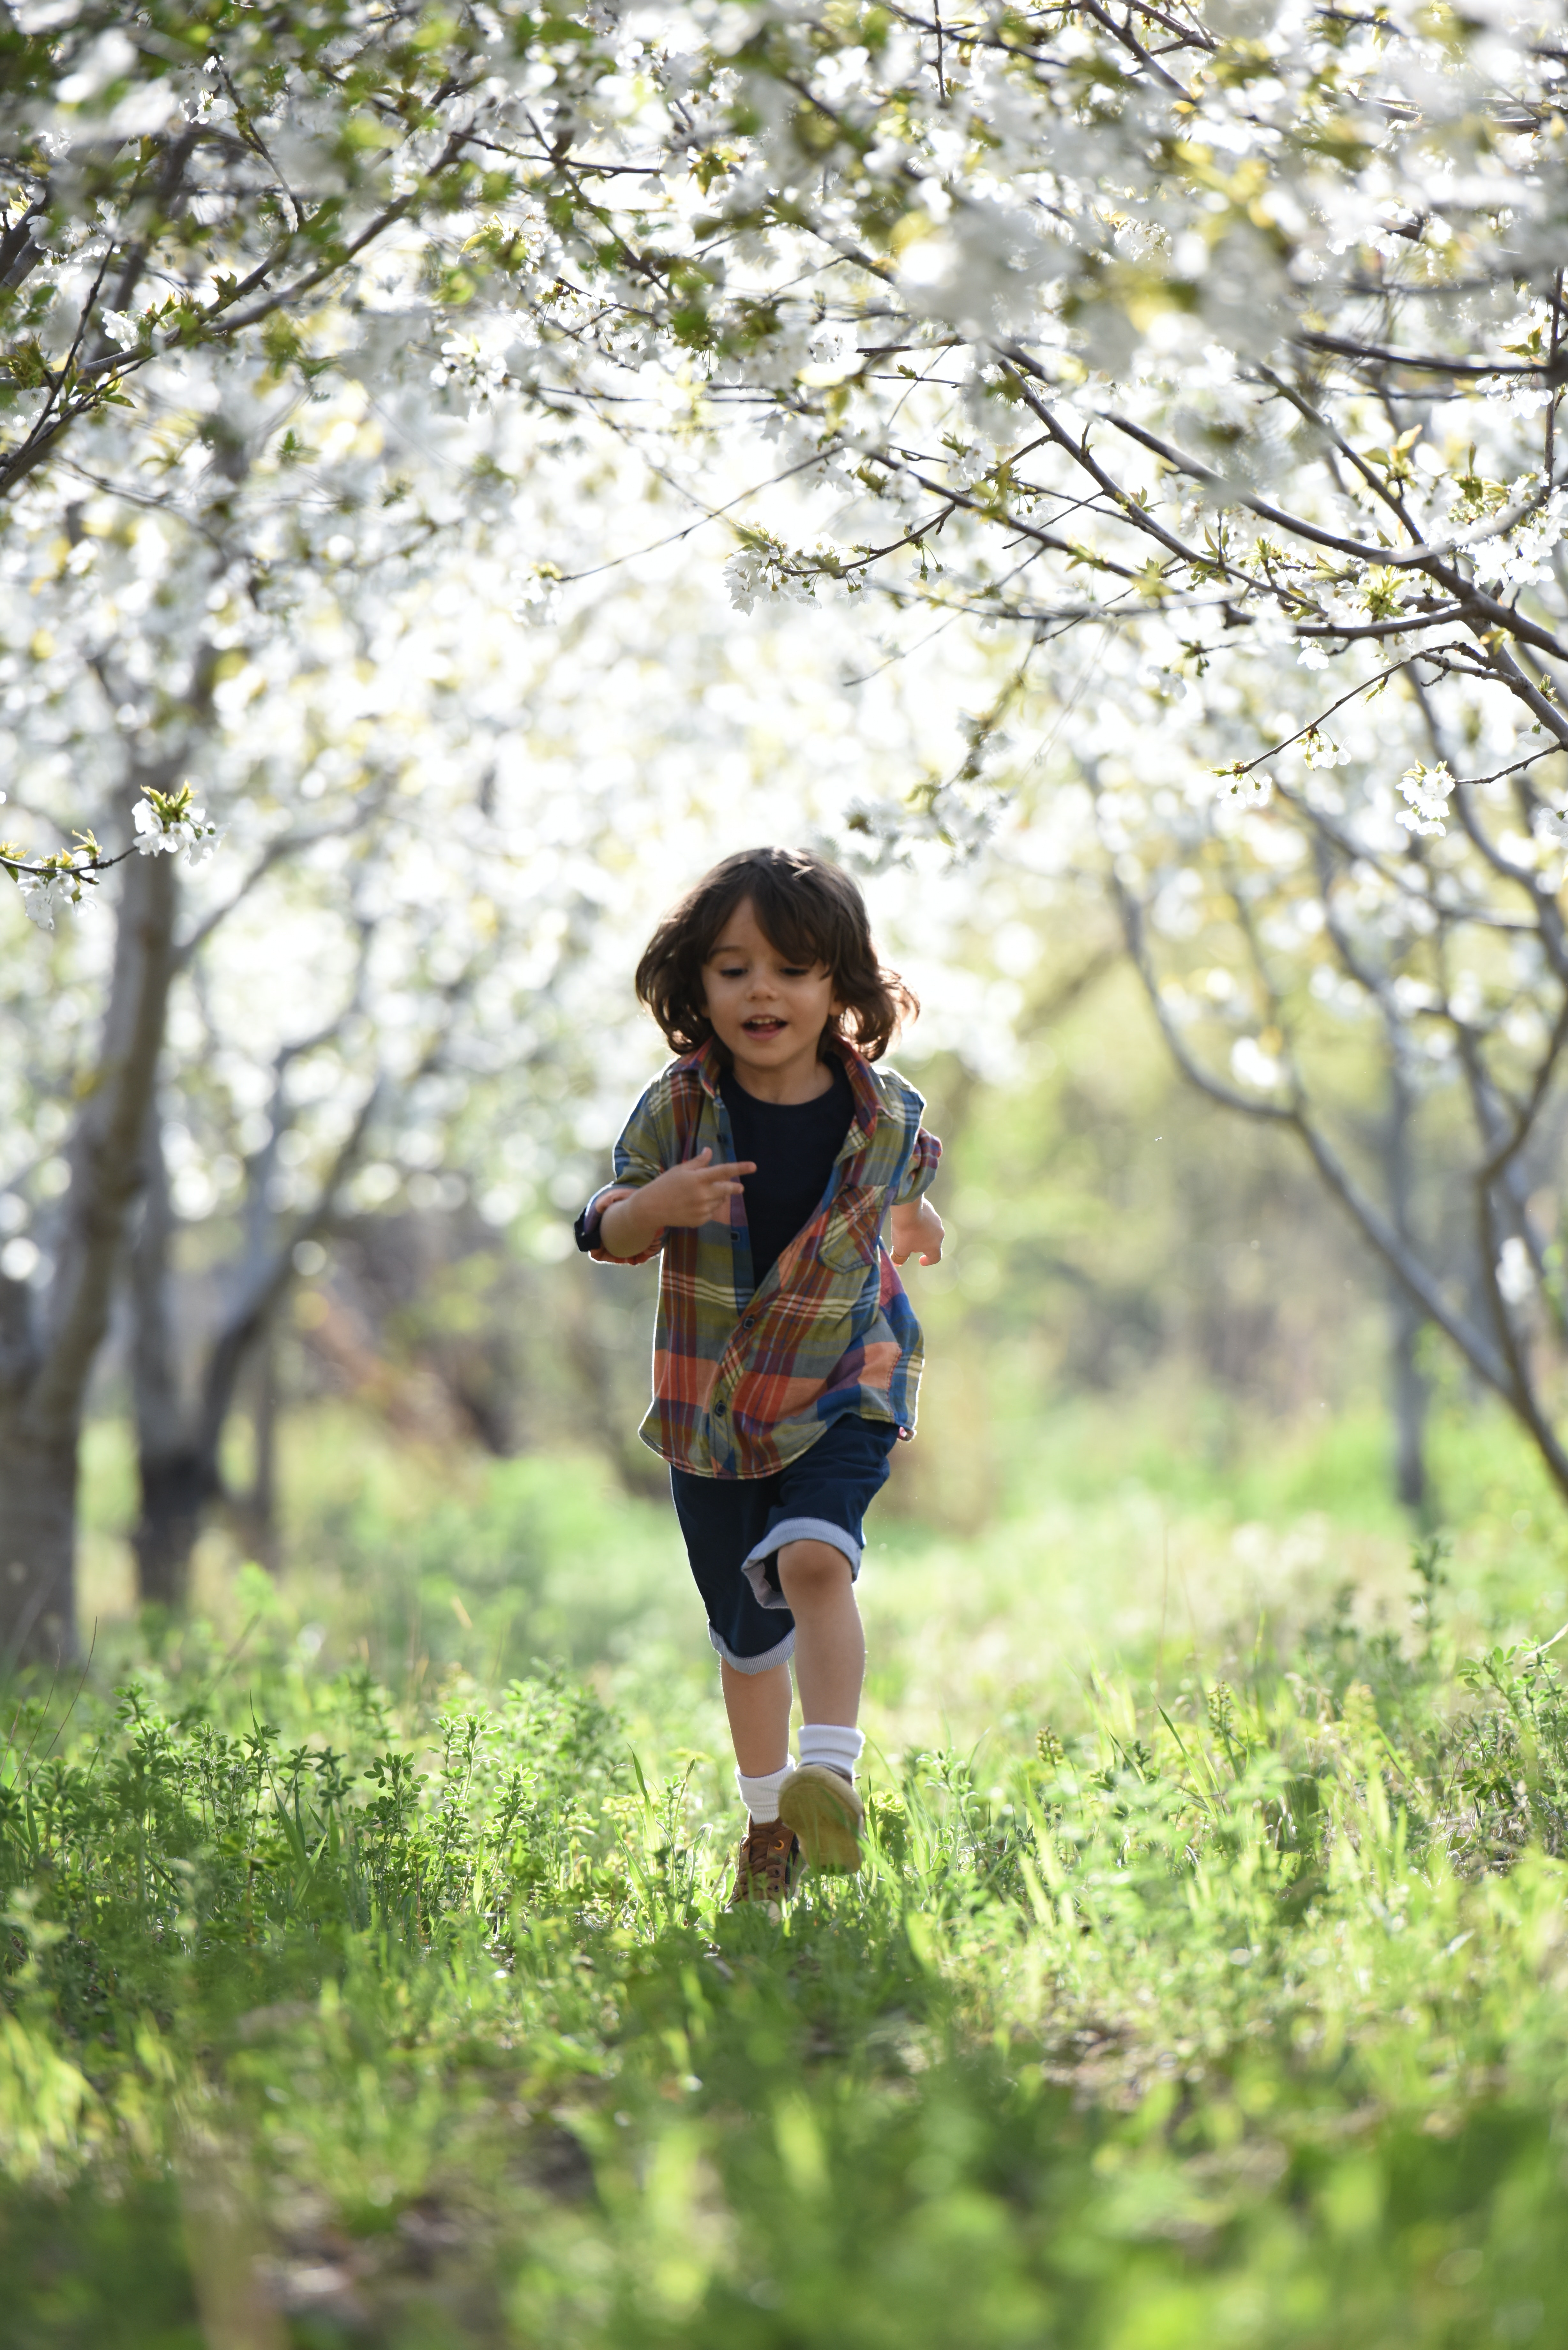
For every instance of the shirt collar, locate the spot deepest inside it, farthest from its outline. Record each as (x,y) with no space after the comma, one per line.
(710,1070)
(708,1067)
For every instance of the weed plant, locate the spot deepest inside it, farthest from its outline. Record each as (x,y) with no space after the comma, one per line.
(1232,2016)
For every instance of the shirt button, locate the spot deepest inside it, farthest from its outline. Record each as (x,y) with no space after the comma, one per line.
(718,1411)
(750,1322)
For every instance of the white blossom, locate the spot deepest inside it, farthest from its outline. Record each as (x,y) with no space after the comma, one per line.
(1254,791)
(1427,791)
(43,899)
(763,571)
(539,597)
(173,826)
(743,576)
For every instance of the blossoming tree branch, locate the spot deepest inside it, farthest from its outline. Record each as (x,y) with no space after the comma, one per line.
(166,824)
(228,245)
(1209,354)
(1212,354)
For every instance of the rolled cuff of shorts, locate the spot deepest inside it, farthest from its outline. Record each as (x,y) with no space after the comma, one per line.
(779,1654)
(790,1530)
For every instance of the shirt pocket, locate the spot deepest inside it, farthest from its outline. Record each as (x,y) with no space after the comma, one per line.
(848,1242)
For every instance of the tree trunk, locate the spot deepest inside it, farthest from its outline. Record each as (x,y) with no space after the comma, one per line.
(258,1512)
(1409,1402)
(179,1437)
(173,1475)
(1408,1395)
(180,1421)
(38,1544)
(175,1489)
(48,1347)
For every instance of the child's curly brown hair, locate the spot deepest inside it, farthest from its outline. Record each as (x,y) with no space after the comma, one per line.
(810,911)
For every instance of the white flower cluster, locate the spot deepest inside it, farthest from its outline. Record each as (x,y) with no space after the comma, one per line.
(1244,791)
(761,571)
(1319,752)
(833,347)
(51,883)
(48,893)
(167,824)
(538,592)
(120,328)
(1521,399)
(464,359)
(1427,791)
(1519,558)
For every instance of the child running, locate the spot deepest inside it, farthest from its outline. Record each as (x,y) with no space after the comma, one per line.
(783,1176)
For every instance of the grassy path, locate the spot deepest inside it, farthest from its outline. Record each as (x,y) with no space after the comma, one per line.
(1230,2011)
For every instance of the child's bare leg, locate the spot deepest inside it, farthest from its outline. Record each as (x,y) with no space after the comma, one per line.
(758,1706)
(829,1642)
(820,1803)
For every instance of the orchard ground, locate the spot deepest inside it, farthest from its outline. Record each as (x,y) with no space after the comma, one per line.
(369,1978)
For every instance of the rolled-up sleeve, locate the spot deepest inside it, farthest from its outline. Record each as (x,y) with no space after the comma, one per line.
(921,1172)
(642,1153)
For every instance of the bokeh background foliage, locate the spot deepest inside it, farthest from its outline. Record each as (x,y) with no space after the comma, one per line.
(1096,471)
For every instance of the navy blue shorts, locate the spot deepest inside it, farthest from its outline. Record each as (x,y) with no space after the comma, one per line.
(735,1526)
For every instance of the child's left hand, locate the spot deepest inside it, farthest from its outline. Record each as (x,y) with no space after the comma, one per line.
(915,1229)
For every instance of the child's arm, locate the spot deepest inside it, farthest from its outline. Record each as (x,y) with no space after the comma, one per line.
(695,1192)
(915,1230)
(914,1227)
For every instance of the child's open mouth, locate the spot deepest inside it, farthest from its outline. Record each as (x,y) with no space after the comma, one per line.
(762,1027)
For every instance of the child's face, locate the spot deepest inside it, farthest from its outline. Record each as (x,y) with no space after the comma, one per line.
(769,1012)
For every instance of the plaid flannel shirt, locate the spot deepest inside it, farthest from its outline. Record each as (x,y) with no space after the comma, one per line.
(746,1379)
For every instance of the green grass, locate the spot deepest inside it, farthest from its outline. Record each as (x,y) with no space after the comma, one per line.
(1206,1987)
(1128,1533)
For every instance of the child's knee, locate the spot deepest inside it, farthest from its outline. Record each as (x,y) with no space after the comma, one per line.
(809,1570)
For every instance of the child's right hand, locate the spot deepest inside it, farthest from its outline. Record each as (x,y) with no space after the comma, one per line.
(695,1192)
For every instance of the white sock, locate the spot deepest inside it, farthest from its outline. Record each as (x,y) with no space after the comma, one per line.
(836,1744)
(761,1796)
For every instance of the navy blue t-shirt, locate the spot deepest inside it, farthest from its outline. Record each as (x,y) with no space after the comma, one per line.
(794,1145)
